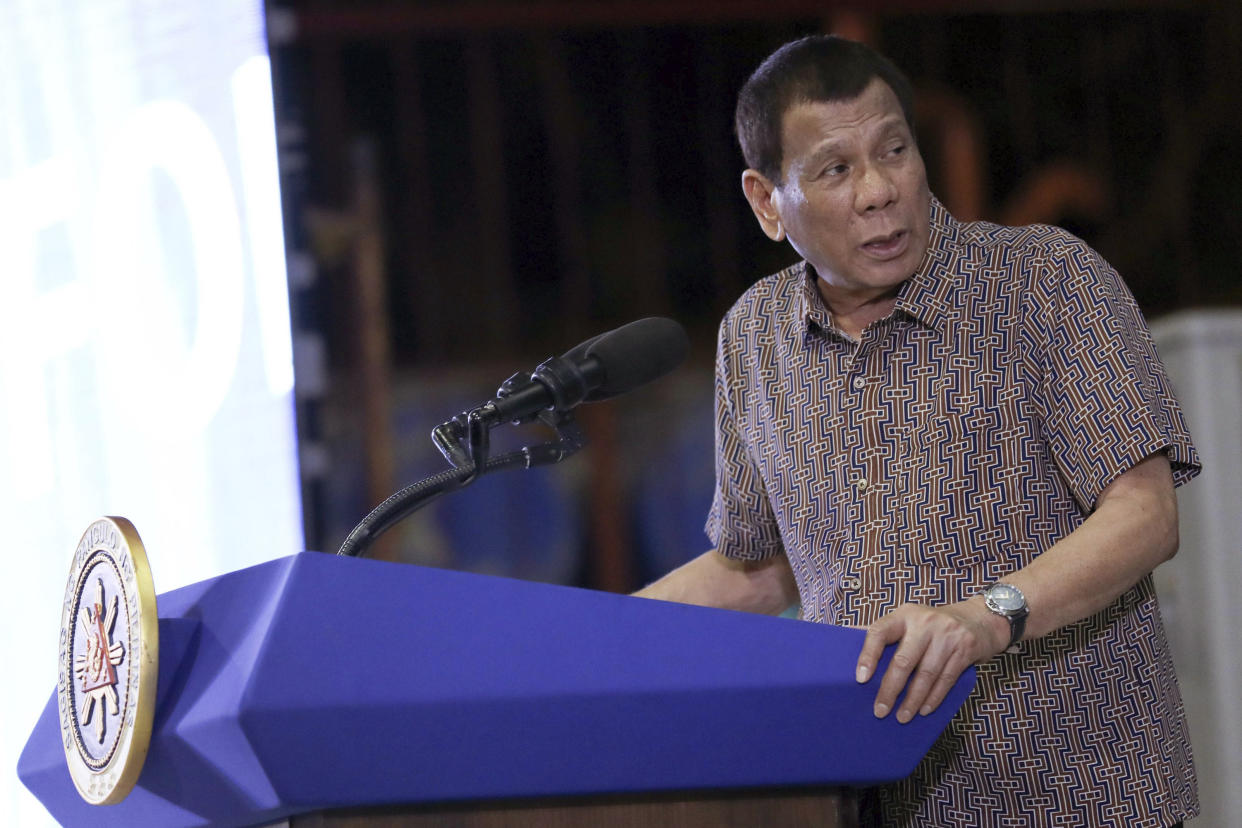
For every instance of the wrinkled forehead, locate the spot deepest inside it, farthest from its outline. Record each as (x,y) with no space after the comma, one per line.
(876,94)
(811,124)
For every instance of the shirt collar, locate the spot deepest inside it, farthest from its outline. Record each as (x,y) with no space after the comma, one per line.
(811,305)
(923,297)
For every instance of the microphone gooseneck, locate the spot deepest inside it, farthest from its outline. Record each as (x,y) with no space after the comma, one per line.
(602,367)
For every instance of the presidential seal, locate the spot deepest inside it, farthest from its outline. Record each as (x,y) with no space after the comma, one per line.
(109,641)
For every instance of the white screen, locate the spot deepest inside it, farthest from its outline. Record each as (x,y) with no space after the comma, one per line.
(145,359)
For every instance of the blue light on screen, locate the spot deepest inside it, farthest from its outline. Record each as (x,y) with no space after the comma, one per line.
(145,359)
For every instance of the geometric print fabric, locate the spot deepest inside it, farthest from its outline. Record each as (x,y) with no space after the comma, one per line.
(953,442)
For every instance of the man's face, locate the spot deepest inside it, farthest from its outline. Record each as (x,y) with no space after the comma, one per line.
(854,200)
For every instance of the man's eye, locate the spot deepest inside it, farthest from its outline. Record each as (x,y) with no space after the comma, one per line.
(897,150)
(836,169)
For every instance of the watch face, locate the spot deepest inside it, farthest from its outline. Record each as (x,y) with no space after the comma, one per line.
(1006,598)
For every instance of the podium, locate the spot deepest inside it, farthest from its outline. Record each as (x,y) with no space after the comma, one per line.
(414,696)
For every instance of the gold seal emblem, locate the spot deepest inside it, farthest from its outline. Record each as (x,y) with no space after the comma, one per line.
(109,641)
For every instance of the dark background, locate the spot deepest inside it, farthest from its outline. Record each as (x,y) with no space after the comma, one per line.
(472,187)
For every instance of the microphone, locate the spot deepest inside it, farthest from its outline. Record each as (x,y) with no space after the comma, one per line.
(602,367)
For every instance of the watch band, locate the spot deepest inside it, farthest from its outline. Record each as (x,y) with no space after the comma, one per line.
(1017,626)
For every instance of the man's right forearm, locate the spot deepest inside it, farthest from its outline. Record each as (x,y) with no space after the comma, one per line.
(712,580)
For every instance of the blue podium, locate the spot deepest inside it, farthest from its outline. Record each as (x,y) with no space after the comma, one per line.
(315,682)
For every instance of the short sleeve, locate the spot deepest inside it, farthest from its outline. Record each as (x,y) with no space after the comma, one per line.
(741,523)
(1109,402)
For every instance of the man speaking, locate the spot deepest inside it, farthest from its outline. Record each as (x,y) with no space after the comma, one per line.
(960,437)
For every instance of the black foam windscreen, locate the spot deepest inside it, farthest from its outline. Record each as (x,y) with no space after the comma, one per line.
(635,354)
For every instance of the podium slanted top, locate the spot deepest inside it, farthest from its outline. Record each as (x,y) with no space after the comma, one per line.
(315,681)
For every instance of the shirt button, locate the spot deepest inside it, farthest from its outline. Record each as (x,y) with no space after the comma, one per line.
(862,484)
(850,582)
(859,383)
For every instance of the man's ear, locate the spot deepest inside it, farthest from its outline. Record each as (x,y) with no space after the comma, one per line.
(759,191)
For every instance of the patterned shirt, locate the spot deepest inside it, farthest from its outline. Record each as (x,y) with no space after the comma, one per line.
(955,440)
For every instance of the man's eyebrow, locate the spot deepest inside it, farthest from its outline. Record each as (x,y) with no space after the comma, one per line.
(891,124)
(829,147)
(885,130)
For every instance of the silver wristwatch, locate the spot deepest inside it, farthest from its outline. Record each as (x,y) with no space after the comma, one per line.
(1007,601)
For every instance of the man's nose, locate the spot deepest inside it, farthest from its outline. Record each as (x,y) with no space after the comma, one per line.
(875,189)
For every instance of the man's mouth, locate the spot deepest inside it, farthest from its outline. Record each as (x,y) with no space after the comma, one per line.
(888,246)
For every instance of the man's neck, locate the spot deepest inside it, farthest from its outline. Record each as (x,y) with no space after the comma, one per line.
(852,313)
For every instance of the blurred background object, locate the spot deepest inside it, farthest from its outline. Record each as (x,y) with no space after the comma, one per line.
(146,364)
(1202,349)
